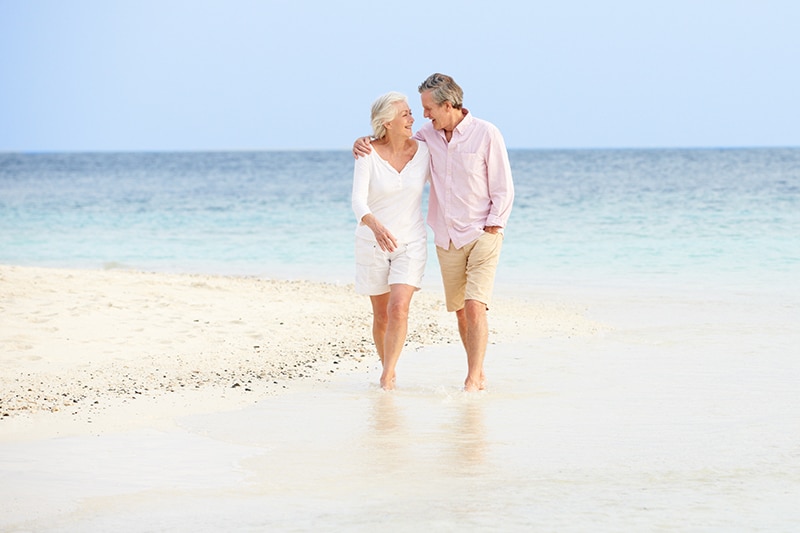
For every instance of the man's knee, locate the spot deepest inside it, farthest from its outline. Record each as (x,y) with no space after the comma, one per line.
(474,310)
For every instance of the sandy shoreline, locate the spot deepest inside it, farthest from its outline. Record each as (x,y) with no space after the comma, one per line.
(156,402)
(115,349)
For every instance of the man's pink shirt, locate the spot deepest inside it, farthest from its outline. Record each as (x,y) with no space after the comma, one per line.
(471,185)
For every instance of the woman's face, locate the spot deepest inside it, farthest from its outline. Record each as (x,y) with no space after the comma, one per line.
(402,121)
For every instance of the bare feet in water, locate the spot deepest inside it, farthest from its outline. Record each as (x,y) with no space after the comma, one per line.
(473,386)
(388,383)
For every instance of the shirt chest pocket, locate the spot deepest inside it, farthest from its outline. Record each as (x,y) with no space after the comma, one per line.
(471,175)
(471,164)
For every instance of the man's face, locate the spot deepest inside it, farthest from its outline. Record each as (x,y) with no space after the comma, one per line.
(437,113)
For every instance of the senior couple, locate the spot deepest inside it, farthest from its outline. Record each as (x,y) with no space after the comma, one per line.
(471,191)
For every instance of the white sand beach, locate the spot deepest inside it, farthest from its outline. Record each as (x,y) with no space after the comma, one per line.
(157,402)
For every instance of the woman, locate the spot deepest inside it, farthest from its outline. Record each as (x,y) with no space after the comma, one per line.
(391,240)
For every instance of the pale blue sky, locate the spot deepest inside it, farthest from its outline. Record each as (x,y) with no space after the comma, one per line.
(86,75)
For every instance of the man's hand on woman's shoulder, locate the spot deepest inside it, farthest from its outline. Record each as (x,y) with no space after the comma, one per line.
(362,147)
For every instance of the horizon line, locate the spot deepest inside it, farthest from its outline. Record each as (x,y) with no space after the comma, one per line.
(510,149)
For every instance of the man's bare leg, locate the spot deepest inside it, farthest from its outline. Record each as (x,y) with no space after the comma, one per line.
(474,330)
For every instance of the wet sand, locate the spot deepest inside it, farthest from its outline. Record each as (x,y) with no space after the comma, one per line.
(153,402)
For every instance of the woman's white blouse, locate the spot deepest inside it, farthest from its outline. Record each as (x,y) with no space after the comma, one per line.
(394,198)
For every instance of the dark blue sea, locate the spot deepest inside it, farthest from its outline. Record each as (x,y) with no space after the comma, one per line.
(694,217)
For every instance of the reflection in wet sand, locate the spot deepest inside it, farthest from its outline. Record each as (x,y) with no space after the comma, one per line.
(606,437)
(469,439)
(419,434)
(387,433)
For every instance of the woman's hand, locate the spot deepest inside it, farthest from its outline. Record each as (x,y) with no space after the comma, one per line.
(362,147)
(383,236)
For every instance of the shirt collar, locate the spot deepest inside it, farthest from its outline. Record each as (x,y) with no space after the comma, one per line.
(463,125)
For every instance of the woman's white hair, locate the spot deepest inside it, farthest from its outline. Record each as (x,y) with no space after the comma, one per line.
(383,111)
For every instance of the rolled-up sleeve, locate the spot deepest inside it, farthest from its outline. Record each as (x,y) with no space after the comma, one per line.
(501,185)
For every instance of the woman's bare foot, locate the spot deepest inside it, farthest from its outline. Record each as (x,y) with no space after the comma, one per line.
(388,383)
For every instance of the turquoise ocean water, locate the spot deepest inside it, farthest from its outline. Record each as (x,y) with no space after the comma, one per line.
(587,217)
(680,417)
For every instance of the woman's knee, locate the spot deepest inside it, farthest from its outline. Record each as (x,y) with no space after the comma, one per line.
(398,310)
(380,318)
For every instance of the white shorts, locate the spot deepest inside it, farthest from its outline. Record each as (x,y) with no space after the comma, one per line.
(376,269)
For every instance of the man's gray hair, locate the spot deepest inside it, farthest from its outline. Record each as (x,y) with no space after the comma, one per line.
(383,111)
(444,89)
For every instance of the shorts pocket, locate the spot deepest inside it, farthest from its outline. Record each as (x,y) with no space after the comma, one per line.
(417,250)
(487,249)
(365,252)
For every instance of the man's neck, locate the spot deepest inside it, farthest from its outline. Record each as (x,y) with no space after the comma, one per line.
(448,133)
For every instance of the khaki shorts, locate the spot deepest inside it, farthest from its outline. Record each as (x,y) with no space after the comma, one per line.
(468,272)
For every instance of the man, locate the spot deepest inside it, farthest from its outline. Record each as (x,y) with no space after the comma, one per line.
(470,201)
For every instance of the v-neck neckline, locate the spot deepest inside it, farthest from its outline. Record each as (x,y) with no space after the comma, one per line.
(404,166)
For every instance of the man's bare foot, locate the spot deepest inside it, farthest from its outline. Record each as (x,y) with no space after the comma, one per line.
(475,386)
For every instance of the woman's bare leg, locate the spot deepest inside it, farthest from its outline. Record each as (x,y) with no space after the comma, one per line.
(396,331)
(379,321)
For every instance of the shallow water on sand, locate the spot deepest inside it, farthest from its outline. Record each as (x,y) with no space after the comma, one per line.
(573,434)
(686,420)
